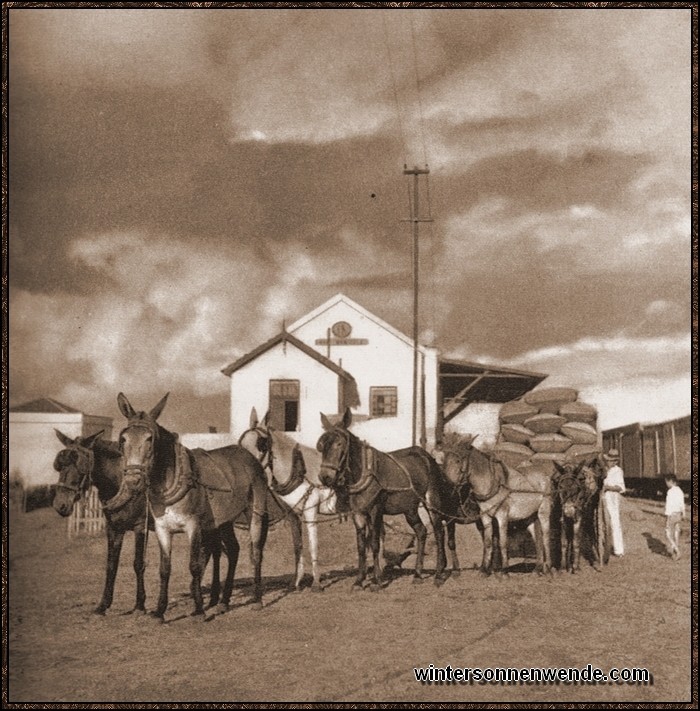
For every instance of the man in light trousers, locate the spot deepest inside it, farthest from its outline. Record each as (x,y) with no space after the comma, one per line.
(613,488)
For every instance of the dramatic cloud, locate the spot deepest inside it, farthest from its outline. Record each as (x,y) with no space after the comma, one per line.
(183,181)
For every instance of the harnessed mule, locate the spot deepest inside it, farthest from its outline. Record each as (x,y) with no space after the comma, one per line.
(570,495)
(91,461)
(197,492)
(590,480)
(502,494)
(375,483)
(304,500)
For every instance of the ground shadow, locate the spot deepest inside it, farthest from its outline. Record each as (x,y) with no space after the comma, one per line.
(655,545)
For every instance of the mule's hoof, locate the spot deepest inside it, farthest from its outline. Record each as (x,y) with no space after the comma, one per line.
(221,608)
(157,617)
(439,582)
(257,606)
(484,573)
(198,615)
(456,572)
(137,611)
(597,568)
(100,611)
(316,587)
(356,587)
(374,587)
(417,580)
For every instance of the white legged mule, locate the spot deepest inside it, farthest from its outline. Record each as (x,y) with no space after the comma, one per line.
(288,463)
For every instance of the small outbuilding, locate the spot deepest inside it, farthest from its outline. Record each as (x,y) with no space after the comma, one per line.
(32,441)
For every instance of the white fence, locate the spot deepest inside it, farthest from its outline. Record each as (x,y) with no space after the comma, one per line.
(87,516)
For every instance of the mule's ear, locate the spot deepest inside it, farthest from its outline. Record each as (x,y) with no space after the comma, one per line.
(253,419)
(64,440)
(125,406)
(266,420)
(155,412)
(559,470)
(90,441)
(347,418)
(326,423)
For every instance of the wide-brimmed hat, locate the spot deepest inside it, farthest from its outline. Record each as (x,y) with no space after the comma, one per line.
(612,456)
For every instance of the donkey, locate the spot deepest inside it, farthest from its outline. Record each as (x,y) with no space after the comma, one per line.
(194,492)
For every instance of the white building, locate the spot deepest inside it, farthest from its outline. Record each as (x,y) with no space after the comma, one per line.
(341,355)
(33,444)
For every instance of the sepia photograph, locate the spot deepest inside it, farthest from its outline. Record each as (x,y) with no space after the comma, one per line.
(350,354)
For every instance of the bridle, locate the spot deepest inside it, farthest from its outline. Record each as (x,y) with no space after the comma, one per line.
(143,469)
(342,470)
(465,478)
(575,491)
(265,456)
(84,467)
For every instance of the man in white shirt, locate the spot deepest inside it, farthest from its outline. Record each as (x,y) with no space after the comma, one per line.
(613,488)
(675,513)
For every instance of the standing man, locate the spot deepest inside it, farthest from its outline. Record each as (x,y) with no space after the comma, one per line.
(613,488)
(675,513)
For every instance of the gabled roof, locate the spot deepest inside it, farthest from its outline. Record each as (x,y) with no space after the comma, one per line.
(44,404)
(338,298)
(286,337)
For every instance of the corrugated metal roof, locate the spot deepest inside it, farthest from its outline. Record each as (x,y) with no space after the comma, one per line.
(44,404)
(464,382)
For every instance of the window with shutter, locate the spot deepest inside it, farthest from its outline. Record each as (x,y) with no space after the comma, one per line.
(383,401)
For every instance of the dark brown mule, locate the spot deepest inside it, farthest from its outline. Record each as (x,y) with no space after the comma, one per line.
(375,483)
(91,461)
(193,492)
(503,494)
(576,501)
(569,498)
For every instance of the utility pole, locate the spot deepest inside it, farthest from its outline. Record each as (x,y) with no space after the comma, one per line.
(415,219)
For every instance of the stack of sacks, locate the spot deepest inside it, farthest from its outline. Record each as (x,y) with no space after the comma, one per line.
(547,426)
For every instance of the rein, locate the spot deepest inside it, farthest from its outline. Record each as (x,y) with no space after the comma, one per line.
(465,478)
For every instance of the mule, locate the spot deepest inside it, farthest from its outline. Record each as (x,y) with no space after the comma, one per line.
(195,492)
(502,494)
(92,461)
(88,461)
(569,498)
(283,458)
(373,483)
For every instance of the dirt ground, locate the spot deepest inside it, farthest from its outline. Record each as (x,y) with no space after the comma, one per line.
(341,645)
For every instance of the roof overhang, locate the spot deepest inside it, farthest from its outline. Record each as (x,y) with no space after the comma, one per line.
(286,338)
(464,382)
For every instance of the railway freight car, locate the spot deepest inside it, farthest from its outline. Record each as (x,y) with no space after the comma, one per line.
(648,451)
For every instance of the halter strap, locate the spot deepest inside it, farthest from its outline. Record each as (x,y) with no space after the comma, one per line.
(85,476)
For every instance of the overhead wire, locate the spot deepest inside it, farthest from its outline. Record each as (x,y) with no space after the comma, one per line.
(418,90)
(431,248)
(387,45)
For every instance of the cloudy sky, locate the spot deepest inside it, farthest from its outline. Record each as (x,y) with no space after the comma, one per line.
(183,180)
